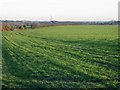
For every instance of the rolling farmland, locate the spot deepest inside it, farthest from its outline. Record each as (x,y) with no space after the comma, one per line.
(61,57)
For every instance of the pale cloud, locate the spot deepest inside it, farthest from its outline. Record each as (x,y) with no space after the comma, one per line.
(59,9)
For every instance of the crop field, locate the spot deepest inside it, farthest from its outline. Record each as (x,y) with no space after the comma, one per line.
(80,56)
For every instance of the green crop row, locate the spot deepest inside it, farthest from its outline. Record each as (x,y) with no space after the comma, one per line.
(61,57)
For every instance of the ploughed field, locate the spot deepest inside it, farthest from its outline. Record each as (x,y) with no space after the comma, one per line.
(61,57)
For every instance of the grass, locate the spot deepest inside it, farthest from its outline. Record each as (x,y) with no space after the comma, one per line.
(61,57)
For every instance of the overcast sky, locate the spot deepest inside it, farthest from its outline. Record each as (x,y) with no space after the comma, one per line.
(59,10)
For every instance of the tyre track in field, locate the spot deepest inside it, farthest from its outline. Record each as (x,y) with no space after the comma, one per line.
(73,71)
(92,50)
(83,49)
(23,59)
(14,59)
(52,58)
(101,62)
(14,44)
(83,57)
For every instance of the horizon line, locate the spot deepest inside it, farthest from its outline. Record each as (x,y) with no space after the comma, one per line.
(59,20)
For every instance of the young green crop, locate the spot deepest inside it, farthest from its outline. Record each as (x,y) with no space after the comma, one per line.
(61,57)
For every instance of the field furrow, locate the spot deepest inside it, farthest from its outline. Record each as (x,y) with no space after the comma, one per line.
(48,58)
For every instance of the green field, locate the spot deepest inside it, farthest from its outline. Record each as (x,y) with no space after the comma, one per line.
(61,57)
